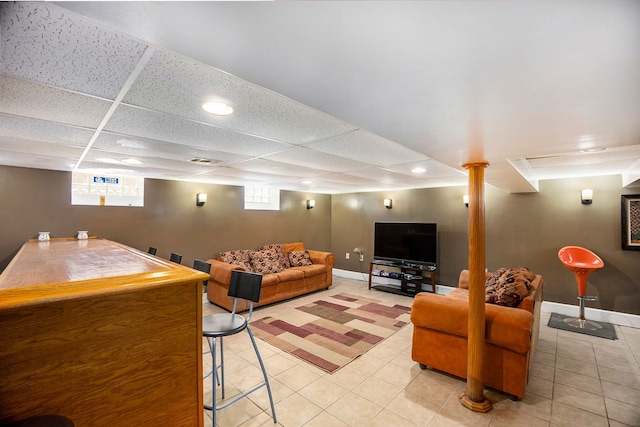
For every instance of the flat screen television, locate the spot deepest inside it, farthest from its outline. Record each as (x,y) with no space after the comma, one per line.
(409,243)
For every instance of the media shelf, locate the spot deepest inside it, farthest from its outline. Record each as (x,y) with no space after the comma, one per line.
(411,277)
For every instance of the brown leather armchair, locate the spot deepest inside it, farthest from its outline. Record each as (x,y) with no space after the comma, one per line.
(511,334)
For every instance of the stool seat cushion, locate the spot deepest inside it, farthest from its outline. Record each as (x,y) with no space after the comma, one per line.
(220,325)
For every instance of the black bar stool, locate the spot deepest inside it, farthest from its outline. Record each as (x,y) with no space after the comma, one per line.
(204,266)
(247,286)
(177,258)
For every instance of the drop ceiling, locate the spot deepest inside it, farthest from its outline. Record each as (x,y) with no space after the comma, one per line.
(328,97)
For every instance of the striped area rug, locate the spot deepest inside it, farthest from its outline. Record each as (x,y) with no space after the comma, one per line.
(332,331)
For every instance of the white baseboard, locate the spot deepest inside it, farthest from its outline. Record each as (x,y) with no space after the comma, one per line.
(595,314)
(351,274)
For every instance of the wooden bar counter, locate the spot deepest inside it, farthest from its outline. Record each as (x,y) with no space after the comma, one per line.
(101,333)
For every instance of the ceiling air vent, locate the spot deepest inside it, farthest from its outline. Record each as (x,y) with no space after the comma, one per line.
(204,161)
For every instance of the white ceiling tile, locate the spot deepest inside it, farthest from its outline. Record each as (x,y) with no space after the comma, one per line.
(108,161)
(40,148)
(40,130)
(214,178)
(163,127)
(431,168)
(179,85)
(277,168)
(319,186)
(441,181)
(128,146)
(359,144)
(101,167)
(315,159)
(381,175)
(28,99)
(510,94)
(156,172)
(76,54)
(402,180)
(293,184)
(361,187)
(40,158)
(344,179)
(249,175)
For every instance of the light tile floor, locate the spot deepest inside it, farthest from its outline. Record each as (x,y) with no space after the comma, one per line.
(577,380)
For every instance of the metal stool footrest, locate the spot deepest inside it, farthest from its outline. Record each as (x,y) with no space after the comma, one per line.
(236,398)
(582,324)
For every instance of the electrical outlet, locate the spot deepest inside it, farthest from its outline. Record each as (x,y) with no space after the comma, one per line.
(347,255)
(361,257)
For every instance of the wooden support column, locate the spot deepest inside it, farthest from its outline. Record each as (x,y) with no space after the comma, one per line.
(473,398)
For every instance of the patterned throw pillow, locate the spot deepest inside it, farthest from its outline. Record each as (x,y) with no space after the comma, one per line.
(266,261)
(288,247)
(508,287)
(299,258)
(239,257)
(280,253)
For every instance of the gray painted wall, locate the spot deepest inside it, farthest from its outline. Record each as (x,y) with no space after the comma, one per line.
(40,200)
(522,229)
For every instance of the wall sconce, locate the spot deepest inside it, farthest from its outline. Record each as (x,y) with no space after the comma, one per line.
(311,203)
(388,203)
(201,199)
(465,200)
(587,196)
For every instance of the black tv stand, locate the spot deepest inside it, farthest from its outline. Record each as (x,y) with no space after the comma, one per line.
(410,276)
(421,267)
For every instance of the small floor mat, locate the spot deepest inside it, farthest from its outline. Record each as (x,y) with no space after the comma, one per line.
(557,321)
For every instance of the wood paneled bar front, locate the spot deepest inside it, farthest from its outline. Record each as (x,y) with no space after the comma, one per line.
(101,333)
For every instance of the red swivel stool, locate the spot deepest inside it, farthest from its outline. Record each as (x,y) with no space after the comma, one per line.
(582,262)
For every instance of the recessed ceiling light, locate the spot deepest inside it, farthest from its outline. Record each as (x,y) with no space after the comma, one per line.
(307,182)
(108,160)
(594,150)
(586,139)
(418,170)
(129,143)
(118,162)
(218,108)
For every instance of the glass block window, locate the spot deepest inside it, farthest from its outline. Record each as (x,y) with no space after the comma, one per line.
(99,189)
(261,198)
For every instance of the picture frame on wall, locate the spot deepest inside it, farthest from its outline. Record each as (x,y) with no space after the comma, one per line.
(630,204)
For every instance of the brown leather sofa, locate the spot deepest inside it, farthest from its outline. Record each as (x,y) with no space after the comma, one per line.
(511,335)
(278,286)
